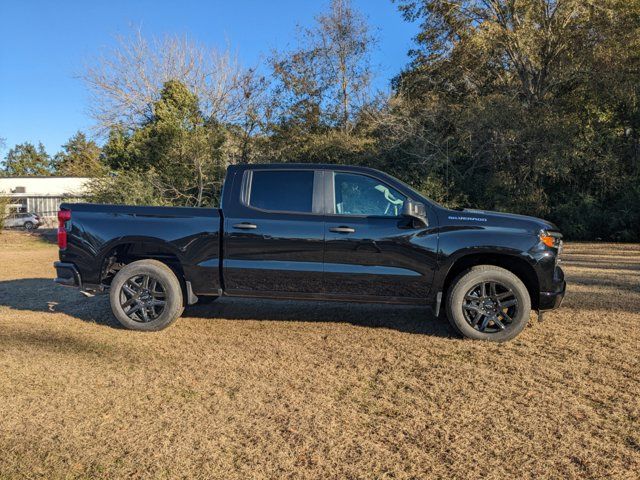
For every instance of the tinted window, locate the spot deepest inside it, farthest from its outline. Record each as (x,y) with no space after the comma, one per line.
(363,195)
(285,191)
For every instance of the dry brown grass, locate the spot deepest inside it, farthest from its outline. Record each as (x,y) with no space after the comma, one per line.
(248,389)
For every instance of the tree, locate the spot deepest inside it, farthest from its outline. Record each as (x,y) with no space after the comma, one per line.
(521,105)
(125,188)
(26,159)
(125,82)
(79,157)
(182,149)
(325,81)
(186,148)
(319,92)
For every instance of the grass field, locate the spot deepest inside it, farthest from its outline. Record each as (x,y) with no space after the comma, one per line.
(260,389)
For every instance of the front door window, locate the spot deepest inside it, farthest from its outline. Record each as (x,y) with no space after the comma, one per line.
(366,196)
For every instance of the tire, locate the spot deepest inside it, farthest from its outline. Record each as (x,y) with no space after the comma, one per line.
(146,305)
(499,315)
(28,226)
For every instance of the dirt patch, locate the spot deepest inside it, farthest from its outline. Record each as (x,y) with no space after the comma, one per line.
(260,389)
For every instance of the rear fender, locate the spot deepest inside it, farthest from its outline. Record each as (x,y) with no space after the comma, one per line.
(139,247)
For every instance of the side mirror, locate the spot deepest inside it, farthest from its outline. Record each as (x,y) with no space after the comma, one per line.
(416,211)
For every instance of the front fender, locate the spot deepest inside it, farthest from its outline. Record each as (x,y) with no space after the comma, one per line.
(521,253)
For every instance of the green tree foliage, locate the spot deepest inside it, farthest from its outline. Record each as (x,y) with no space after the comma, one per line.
(130,187)
(79,157)
(177,144)
(320,89)
(325,81)
(527,105)
(26,159)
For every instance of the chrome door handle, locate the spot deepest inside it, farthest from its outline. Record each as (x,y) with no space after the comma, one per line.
(245,226)
(342,229)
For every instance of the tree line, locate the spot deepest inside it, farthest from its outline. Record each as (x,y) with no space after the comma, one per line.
(528,106)
(80,156)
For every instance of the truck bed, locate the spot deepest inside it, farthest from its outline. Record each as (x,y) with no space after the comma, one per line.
(191,236)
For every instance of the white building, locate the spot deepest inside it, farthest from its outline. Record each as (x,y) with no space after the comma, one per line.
(41,195)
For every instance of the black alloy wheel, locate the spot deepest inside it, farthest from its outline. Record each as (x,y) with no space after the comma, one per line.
(143,298)
(490,307)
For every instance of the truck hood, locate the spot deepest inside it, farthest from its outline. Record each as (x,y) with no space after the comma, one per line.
(489,219)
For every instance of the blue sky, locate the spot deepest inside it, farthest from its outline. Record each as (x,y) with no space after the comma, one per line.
(44,45)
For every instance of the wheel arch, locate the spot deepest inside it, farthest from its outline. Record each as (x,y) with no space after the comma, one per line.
(130,249)
(516,265)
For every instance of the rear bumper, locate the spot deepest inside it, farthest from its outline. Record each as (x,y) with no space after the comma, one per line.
(67,274)
(553,299)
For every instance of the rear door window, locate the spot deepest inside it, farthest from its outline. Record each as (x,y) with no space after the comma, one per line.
(282,190)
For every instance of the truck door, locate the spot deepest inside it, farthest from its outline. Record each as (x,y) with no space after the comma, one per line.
(274,233)
(371,250)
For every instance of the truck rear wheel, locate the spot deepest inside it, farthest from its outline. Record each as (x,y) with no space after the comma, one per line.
(146,295)
(488,303)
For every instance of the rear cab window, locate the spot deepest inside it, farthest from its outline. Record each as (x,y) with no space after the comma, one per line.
(281,190)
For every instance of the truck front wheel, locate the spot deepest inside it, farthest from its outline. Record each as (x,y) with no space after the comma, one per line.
(488,303)
(146,295)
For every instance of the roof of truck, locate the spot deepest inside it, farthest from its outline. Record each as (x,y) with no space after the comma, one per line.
(309,166)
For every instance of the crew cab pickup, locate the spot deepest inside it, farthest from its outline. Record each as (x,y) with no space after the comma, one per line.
(314,232)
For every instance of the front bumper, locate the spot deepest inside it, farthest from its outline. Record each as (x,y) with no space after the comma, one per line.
(67,274)
(553,299)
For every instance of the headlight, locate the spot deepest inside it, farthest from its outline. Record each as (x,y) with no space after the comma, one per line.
(551,239)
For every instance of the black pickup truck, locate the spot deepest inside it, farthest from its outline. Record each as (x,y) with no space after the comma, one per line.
(319,232)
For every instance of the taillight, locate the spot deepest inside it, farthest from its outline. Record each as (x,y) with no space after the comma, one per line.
(63,217)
